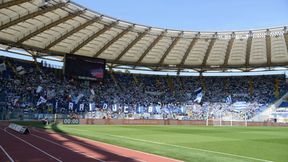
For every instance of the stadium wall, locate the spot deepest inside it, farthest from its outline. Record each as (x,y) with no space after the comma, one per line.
(169,122)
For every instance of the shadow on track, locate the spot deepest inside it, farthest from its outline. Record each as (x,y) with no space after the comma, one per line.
(62,138)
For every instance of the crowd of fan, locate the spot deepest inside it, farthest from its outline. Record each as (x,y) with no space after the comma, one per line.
(44,90)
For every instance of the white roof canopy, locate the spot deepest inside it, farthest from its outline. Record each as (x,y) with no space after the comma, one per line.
(60,27)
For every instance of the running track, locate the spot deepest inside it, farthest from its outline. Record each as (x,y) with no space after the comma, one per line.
(46,146)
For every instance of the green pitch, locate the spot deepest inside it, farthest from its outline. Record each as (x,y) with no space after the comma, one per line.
(193,143)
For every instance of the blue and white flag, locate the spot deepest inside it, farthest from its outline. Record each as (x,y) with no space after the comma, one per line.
(198,90)
(41,100)
(229,99)
(199,95)
(183,109)
(78,98)
(92,92)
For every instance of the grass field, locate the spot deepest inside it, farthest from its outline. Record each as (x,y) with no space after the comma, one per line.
(191,143)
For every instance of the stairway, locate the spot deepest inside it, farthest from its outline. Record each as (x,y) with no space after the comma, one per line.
(265,115)
(115,80)
(12,67)
(135,80)
(170,83)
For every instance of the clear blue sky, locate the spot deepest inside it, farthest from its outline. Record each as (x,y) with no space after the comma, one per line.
(195,14)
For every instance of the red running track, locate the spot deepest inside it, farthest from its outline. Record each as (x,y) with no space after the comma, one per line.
(42,146)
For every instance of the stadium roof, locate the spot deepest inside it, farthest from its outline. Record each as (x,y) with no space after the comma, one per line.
(59,27)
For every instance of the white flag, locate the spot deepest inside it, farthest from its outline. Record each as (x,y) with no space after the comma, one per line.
(199,95)
(78,98)
(39,89)
(41,100)
(93,92)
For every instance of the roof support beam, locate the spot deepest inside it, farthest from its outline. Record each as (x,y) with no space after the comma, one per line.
(34,55)
(53,24)
(286,36)
(150,47)
(12,3)
(229,48)
(89,39)
(268,47)
(193,42)
(75,30)
(248,48)
(211,44)
(30,47)
(113,40)
(175,41)
(32,15)
(135,41)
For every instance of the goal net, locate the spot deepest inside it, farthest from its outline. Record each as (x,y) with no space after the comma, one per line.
(226,119)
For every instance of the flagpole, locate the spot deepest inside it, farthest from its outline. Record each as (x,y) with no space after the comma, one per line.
(55,118)
(231,119)
(207,118)
(221,118)
(245,120)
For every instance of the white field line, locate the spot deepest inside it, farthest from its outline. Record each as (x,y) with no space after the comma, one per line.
(9,157)
(91,146)
(190,148)
(44,152)
(80,144)
(163,157)
(119,147)
(65,147)
(80,130)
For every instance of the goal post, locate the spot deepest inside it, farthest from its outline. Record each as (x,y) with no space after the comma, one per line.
(227,119)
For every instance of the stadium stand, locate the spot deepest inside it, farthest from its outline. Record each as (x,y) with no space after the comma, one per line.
(60,29)
(29,90)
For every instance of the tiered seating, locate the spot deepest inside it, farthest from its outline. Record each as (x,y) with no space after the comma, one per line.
(20,92)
